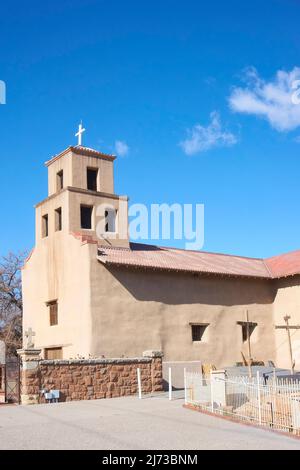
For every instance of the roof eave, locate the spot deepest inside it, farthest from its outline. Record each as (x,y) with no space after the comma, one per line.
(81,151)
(186,271)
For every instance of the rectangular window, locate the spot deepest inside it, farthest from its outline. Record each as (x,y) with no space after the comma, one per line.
(198,331)
(92,175)
(58,219)
(45,226)
(247,329)
(110,220)
(60,180)
(86,217)
(53,312)
(53,353)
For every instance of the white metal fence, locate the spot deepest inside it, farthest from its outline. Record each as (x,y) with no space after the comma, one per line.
(275,405)
(172,393)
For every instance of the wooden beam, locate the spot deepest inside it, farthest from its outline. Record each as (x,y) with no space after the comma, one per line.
(284,327)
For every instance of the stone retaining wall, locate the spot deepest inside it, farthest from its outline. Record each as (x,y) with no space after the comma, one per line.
(88,379)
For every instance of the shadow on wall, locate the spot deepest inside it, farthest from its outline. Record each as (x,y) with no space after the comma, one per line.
(183,288)
(291,281)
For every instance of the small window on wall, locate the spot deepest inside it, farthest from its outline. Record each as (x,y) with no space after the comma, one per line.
(110,220)
(53,312)
(86,217)
(247,329)
(92,175)
(58,219)
(198,331)
(45,226)
(53,353)
(60,180)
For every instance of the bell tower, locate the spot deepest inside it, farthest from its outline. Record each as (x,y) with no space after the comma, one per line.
(61,277)
(81,198)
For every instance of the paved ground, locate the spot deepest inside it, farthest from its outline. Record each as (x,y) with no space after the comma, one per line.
(127,423)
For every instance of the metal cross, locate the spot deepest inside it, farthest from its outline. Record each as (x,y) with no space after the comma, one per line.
(29,335)
(81,130)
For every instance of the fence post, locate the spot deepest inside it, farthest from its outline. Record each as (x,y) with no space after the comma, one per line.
(170,383)
(139,382)
(30,377)
(258,396)
(211,392)
(185,384)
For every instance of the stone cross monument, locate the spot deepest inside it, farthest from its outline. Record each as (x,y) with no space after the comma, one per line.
(29,335)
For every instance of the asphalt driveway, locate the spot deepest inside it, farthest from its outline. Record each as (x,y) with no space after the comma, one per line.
(127,423)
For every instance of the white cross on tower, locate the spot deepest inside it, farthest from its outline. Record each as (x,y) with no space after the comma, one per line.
(81,130)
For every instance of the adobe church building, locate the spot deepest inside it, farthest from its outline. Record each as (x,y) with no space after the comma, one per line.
(86,296)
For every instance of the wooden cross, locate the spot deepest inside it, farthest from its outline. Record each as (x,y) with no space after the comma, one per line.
(249,345)
(289,327)
(29,335)
(249,328)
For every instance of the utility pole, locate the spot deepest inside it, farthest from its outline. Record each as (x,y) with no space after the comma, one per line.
(288,329)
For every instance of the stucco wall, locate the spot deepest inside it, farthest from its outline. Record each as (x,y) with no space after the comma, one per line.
(105,177)
(48,207)
(100,203)
(287,302)
(74,167)
(59,268)
(115,312)
(147,309)
(64,164)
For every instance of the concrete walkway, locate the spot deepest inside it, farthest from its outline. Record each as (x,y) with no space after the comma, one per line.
(127,423)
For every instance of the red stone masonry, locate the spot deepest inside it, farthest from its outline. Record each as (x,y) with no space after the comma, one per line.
(91,379)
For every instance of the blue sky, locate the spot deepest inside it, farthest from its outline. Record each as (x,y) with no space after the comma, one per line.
(149,75)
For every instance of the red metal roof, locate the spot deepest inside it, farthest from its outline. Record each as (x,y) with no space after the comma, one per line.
(284,265)
(174,259)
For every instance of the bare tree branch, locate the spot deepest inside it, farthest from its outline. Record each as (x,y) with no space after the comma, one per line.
(11,305)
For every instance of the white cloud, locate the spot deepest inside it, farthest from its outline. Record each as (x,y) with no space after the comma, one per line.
(273,100)
(201,138)
(122,148)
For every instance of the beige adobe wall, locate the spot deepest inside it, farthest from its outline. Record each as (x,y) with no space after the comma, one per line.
(287,302)
(75,172)
(70,200)
(100,203)
(48,207)
(80,163)
(59,268)
(64,163)
(147,309)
